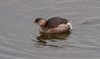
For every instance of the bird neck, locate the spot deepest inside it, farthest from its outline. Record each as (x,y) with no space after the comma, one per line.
(43,23)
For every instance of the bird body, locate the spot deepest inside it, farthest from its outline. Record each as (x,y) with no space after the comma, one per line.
(53,25)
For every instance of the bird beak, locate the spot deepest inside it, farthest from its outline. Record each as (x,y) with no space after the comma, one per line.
(34,23)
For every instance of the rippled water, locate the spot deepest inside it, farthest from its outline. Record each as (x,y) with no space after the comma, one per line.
(19,39)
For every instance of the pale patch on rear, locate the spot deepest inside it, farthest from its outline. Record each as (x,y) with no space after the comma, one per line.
(69,23)
(63,27)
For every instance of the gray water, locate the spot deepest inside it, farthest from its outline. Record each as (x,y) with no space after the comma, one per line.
(19,39)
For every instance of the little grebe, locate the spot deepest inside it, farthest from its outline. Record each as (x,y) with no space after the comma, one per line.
(53,25)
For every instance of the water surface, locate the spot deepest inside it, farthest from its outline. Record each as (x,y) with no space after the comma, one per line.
(19,39)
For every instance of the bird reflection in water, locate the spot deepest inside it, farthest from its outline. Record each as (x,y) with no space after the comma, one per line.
(43,38)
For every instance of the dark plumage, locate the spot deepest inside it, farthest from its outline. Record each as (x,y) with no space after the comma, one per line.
(38,19)
(53,25)
(55,22)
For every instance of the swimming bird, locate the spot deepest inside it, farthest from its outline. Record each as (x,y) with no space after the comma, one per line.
(53,25)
